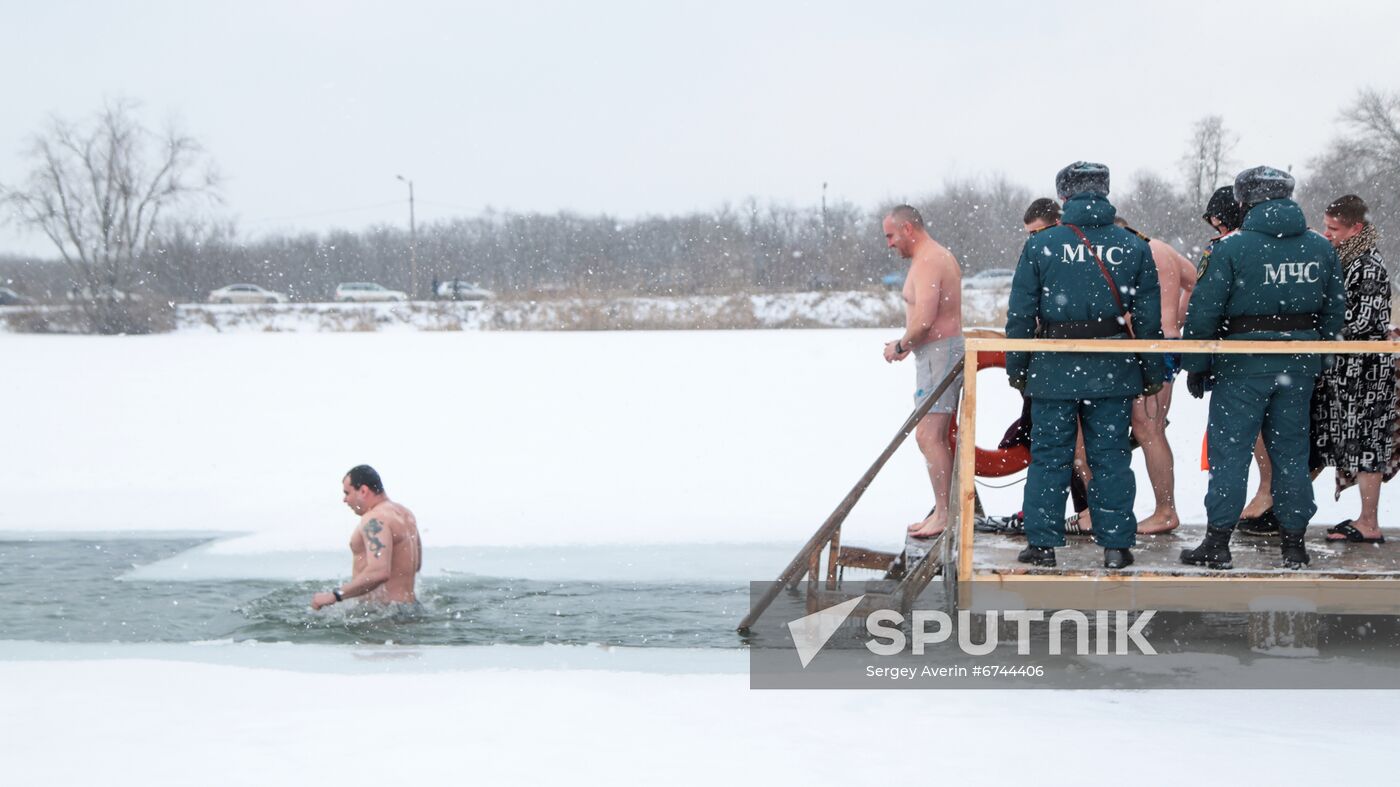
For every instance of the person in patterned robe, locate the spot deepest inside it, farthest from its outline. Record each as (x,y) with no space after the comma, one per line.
(1354,407)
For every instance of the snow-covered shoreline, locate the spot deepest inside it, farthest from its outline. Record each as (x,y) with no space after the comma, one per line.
(840,309)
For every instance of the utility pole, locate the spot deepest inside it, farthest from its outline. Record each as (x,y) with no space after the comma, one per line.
(412,243)
(826,236)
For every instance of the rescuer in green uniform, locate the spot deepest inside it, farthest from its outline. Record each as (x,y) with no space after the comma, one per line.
(1273,280)
(1078,280)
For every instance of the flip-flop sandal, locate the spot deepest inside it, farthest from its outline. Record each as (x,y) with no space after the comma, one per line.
(1014,525)
(1073,528)
(1352,535)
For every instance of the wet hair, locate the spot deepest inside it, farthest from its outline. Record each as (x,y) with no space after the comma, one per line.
(364,475)
(1350,210)
(903,213)
(1043,209)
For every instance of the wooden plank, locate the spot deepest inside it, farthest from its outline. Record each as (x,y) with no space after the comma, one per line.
(923,572)
(966,459)
(1224,346)
(1188,594)
(859,557)
(1254,557)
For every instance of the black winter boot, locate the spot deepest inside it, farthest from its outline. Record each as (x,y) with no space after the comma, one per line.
(1037,556)
(1214,552)
(1117,558)
(1295,555)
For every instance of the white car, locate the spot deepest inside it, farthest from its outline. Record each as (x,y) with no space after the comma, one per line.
(363,292)
(990,279)
(245,293)
(103,294)
(459,290)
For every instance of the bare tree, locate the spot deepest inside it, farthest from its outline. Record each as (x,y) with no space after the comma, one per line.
(1374,118)
(99,190)
(1208,157)
(1364,160)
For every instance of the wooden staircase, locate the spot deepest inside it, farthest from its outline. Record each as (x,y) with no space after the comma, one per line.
(905,574)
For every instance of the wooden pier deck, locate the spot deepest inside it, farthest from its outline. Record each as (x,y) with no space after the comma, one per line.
(1355,579)
(979,570)
(1255,557)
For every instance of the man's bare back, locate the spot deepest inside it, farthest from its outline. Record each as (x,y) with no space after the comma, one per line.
(1177,278)
(388,533)
(386,550)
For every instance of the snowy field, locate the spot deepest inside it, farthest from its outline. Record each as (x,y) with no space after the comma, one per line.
(493,438)
(352,720)
(590,446)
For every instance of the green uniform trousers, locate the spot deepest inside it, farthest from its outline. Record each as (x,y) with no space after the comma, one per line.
(1241,409)
(1105,423)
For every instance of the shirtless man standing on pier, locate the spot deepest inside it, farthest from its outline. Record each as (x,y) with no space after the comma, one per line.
(933,333)
(385,547)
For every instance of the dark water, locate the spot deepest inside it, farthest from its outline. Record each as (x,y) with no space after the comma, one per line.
(71,591)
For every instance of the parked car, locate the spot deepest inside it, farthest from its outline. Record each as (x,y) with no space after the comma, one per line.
(459,290)
(992,278)
(894,280)
(245,293)
(362,292)
(103,294)
(9,297)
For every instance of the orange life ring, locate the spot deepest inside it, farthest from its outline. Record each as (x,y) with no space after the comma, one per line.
(994,462)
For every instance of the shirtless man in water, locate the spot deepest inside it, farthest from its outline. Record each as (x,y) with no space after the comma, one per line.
(385,547)
(933,333)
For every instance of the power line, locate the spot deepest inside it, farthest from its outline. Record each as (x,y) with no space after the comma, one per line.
(325,212)
(446,205)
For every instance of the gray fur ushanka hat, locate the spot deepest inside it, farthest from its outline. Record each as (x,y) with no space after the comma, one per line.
(1081,177)
(1261,184)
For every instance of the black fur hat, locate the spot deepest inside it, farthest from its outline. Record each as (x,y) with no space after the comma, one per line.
(1222,206)
(1261,184)
(1081,177)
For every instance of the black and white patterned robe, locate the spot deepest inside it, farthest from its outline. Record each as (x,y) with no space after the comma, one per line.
(1353,412)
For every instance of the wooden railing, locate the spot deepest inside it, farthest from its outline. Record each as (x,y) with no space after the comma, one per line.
(967,495)
(808,559)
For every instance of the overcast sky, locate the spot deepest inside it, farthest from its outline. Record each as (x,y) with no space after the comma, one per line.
(311,108)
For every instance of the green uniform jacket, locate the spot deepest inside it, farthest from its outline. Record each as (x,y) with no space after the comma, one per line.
(1272,265)
(1057,280)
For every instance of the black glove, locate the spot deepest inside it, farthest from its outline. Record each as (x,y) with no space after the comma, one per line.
(1017,381)
(1019,434)
(1196,383)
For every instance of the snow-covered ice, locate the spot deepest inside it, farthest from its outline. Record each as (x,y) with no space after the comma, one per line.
(608,443)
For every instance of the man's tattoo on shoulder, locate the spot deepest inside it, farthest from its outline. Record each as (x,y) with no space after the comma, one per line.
(372,531)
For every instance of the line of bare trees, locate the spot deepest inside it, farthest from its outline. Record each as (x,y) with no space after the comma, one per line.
(115,198)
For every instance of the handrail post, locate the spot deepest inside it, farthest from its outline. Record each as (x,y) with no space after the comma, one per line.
(833,559)
(967,460)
